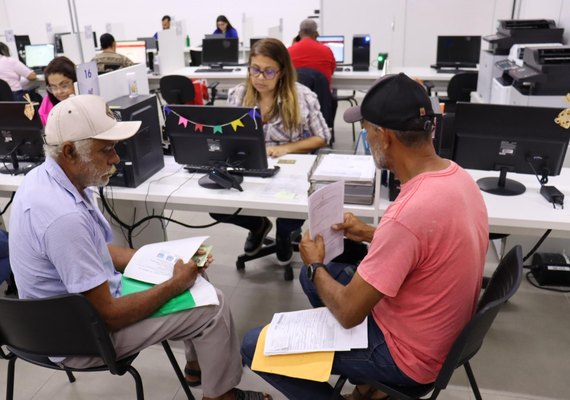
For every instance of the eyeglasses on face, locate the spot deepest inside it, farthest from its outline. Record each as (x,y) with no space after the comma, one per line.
(268,74)
(62,87)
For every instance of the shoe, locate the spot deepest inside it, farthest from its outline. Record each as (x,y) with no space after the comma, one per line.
(255,240)
(284,249)
(195,373)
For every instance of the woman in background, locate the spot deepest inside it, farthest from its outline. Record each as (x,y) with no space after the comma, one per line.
(292,123)
(11,70)
(60,76)
(224,26)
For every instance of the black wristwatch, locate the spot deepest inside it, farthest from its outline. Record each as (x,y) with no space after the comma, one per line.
(311,268)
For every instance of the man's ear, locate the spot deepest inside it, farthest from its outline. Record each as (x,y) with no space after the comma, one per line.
(69,151)
(386,137)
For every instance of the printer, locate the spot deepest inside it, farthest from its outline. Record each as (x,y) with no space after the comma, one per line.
(543,79)
(510,32)
(500,87)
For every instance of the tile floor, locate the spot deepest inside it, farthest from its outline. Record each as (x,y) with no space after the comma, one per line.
(525,355)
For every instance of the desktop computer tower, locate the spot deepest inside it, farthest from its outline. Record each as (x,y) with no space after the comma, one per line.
(360,52)
(141,155)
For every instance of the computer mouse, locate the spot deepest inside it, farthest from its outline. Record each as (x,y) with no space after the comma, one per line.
(237,69)
(347,69)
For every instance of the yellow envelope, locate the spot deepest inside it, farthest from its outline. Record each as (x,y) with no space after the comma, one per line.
(311,366)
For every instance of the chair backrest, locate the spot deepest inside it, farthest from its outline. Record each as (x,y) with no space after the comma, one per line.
(461,85)
(61,326)
(318,83)
(177,89)
(503,284)
(5,91)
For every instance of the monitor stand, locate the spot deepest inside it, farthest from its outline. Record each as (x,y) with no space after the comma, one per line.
(17,167)
(217,182)
(501,186)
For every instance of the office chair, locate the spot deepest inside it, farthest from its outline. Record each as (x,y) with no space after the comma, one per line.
(63,326)
(351,100)
(459,88)
(177,89)
(502,286)
(5,91)
(318,83)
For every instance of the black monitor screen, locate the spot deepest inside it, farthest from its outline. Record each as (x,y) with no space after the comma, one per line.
(21,42)
(57,41)
(220,51)
(21,141)
(458,51)
(216,136)
(509,139)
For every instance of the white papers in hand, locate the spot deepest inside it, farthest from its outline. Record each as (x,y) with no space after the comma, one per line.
(153,263)
(310,331)
(204,293)
(325,209)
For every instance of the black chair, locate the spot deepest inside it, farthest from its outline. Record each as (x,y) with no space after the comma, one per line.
(177,89)
(5,91)
(459,88)
(502,286)
(351,98)
(63,326)
(319,84)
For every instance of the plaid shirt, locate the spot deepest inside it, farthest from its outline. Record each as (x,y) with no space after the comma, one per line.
(312,121)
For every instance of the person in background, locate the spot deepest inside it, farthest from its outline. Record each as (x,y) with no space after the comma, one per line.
(165,21)
(60,76)
(292,123)
(308,53)
(61,244)
(224,26)
(109,59)
(419,284)
(12,70)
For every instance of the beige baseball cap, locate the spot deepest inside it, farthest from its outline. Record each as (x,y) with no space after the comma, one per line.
(85,117)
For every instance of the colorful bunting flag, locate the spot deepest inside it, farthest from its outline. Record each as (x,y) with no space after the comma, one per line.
(236,123)
(182,121)
(217,128)
(198,127)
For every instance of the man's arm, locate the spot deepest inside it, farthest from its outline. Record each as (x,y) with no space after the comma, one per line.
(120,256)
(349,304)
(126,310)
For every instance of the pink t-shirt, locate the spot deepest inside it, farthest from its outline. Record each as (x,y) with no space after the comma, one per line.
(44,109)
(427,258)
(11,70)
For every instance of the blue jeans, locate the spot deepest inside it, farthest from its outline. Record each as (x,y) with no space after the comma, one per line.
(359,365)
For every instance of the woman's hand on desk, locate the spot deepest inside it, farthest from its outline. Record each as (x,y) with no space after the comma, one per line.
(354,229)
(278,151)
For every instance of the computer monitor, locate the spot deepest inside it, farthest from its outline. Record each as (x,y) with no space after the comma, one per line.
(221,51)
(95,41)
(336,44)
(214,136)
(21,42)
(150,42)
(214,35)
(458,51)
(39,55)
(57,41)
(253,40)
(135,50)
(508,139)
(21,141)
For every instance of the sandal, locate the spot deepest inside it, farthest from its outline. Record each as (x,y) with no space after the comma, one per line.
(358,395)
(250,395)
(195,373)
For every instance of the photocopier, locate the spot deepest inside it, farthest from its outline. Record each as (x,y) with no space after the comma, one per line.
(510,32)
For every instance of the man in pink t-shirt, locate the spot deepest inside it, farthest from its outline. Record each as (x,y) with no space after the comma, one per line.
(420,281)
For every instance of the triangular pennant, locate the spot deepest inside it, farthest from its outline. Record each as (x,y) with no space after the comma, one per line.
(182,121)
(198,127)
(254,113)
(167,110)
(236,123)
(217,128)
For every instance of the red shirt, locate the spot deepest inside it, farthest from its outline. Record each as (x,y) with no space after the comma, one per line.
(308,53)
(427,258)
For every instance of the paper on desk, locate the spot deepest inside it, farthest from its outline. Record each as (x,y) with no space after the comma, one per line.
(153,263)
(312,366)
(353,168)
(310,331)
(325,209)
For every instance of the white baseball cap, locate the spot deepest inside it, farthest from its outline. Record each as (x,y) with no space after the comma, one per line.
(85,117)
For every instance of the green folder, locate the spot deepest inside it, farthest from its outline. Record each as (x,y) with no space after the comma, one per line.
(182,302)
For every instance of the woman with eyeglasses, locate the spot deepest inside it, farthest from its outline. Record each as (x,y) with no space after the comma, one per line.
(60,76)
(292,123)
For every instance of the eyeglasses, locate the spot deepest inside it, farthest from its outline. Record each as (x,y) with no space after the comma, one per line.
(268,74)
(63,87)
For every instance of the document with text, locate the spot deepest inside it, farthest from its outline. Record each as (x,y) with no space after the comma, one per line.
(310,331)
(326,207)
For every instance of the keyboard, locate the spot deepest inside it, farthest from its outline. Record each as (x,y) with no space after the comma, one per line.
(258,173)
(214,70)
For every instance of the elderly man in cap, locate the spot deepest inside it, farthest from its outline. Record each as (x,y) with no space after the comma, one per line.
(60,243)
(308,53)
(419,283)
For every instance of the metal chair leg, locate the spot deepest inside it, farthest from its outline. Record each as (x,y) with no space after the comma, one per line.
(472,381)
(177,370)
(138,382)
(10,379)
(70,376)
(338,387)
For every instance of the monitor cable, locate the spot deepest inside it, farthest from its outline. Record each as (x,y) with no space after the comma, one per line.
(8,204)
(550,193)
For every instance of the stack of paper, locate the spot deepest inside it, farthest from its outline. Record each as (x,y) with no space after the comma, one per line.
(357,171)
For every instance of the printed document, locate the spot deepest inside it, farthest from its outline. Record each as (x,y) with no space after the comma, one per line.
(326,209)
(351,168)
(310,331)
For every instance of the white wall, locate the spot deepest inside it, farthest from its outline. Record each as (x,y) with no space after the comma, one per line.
(141,18)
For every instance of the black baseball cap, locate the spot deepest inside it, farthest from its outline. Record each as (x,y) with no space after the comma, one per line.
(395,102)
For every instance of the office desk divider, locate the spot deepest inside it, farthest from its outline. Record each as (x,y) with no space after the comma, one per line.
(113,85)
